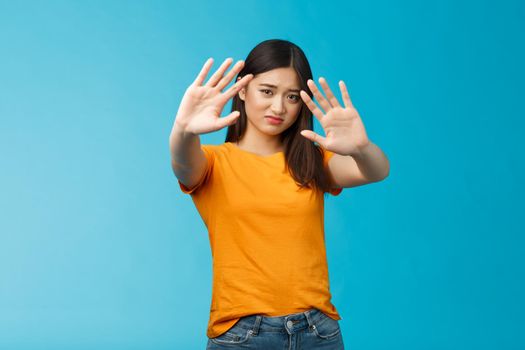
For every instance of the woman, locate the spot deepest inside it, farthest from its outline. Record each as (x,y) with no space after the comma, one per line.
(260,194)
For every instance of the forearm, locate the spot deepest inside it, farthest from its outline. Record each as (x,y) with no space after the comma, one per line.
(184,147)
(372,162)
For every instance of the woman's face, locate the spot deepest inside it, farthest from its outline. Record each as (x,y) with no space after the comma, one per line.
(272,93)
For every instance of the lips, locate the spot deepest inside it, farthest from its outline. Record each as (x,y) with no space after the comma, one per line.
(274,117)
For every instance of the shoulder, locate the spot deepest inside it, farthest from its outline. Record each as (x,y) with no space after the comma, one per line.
(326,154)
(213,150)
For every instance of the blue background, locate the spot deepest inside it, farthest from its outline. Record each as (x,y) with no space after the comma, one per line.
(99,249)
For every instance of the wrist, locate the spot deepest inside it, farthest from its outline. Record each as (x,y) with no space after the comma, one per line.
(180,129)
(362,150)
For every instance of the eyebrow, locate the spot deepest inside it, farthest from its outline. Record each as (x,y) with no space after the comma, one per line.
(273,86)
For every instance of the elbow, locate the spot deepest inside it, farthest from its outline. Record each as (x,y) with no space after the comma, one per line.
(384,175)
(387,173)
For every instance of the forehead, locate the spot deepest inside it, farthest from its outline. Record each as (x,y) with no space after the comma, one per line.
(285,78)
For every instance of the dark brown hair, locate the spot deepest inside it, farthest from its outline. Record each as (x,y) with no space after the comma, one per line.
(304,159)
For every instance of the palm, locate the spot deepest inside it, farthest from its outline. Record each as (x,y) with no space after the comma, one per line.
(343,127)
(342,124)
(201,105)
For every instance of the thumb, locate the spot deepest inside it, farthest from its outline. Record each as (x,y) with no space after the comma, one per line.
(312,136)
(227,120)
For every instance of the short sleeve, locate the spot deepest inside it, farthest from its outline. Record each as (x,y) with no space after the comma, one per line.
(210,158)
(326,157)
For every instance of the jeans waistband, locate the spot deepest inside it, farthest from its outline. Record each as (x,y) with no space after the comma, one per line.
(289,323)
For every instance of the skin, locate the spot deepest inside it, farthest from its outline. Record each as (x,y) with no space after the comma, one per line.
(357,161)
(260,100)
(201,106)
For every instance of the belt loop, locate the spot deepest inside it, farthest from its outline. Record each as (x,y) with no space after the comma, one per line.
(255,329)
(308,314)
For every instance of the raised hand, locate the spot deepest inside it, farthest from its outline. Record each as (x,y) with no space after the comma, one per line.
(343,127)
(201,106)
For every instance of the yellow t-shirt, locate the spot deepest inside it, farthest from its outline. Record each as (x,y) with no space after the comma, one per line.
(266,237)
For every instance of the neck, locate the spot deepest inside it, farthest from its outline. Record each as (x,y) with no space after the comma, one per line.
(260,143)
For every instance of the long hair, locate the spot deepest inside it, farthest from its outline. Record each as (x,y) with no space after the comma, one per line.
(303,158)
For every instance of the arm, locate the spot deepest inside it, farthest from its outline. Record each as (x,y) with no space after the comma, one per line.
(369,165)
(187,159)
(199,113)
(357,160)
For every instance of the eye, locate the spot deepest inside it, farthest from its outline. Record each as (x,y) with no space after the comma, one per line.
(264,90)
(297,97)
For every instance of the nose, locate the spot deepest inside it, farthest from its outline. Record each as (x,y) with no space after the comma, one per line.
(278,105)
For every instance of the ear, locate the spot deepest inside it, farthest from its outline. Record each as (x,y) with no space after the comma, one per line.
(242,92)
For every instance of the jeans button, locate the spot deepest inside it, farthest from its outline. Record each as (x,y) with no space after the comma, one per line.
(289,324)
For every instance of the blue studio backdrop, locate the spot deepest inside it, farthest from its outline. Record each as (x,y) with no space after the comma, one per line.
(99,248)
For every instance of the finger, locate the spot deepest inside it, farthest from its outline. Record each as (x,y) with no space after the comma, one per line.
(328,92)
(314,137)
(227,120)
(346,96)
(204,71)
(316,111)
(218,74)
(234,89)
(317,94)
(231,74)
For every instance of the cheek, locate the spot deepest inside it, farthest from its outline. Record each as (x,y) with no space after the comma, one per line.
(295,110)
(255,103)
(295,115)
(259,103)
(255,112)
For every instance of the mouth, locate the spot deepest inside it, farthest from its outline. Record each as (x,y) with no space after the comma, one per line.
(273,120)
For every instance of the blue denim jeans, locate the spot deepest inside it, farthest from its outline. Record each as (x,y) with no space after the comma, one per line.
(311,329)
